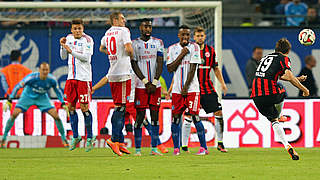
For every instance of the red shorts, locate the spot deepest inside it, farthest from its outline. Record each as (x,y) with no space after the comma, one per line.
(130,111)
(191,103)
(120,92)
(78,90)
(143,99)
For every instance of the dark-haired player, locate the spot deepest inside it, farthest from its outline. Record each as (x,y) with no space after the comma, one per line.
(78,48)
(208,98)
(183,60)
(147,64)
(268,96)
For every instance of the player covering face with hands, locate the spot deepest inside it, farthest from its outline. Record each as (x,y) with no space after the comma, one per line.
(183,59)
(36,85)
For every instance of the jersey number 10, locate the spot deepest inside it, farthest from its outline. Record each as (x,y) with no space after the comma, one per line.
(111,45)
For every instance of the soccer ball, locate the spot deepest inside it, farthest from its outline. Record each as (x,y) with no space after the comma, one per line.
(307,37)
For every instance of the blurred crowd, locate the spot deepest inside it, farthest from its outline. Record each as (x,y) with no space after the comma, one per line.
(289,12)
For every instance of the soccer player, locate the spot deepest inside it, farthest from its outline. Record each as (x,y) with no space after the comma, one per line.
(208,96)
(78,48)
(268,96)
(147,64)
(183,59)
(36,86)
(116,43)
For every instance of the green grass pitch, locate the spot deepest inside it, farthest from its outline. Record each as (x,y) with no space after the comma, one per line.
(240,163)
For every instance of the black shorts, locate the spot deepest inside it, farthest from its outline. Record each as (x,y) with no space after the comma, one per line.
(210,103)
(266,105)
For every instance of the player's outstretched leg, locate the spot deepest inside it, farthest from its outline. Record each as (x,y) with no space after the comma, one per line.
(175,131)
(74,126)
(138,130)
(185,133)
(201,135)
(219,131)
(9,125)
(278,130)
(116,121)
(154,111)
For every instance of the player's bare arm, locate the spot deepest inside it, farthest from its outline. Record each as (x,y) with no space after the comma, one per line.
(103,49)
(174,65)
(169,90)
(193,68)
(219,76)
(100,84)
(158,74)
(288,76)
(129,49)
(302,78)
(63,41)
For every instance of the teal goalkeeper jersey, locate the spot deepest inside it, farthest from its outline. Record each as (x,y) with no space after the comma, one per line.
(35,88)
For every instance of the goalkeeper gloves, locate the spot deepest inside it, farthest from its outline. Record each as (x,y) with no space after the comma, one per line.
(7,105)
(65,107)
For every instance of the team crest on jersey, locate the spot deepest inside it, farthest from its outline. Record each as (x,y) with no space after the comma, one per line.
(207,54)
(138,102)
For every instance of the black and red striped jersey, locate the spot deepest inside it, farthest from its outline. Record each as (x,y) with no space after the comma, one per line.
(271,67)
(208,61)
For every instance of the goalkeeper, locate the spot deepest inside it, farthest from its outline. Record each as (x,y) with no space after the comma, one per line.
(35,90)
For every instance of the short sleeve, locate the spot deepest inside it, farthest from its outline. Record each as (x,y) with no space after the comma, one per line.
(195,54)
(285,63)
(135,50)
(89,47)
(169,55)
(126,36)
(160,48)
(103,41)
(214,58)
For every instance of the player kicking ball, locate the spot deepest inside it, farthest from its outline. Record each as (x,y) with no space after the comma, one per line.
(36,85)
(78,48)
(183,59)
(208,96)
(268,96)
(147,64)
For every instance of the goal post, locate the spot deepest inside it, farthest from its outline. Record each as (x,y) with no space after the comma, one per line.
(192,13)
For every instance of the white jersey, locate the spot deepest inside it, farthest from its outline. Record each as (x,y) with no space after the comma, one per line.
(133,86)
(114,40)
(180,75)
(79,61)
(145,53)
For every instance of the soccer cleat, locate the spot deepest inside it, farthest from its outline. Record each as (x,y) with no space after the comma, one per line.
(221,148)
(283,119)
(90,143)
(293,154)
(74,143)
(202,151)
(185,149)
(155,152)
(122,148)
(65,144)
(114,146)
(138,152)
(176,151)
(162,148)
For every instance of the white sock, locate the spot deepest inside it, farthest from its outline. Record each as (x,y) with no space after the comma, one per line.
(278,130)
(219,128)
(185,131)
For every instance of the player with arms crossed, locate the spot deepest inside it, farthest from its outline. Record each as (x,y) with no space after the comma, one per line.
(147,64)
(36,85)
(78,48)
(268,96)
(208,96)
(183,59)
(116,43)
